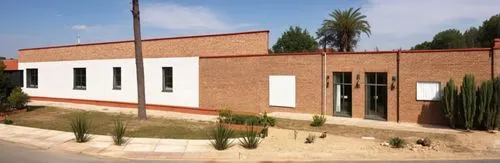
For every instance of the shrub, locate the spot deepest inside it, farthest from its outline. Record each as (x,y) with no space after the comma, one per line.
(119,131)
(491,114)
(4,107)
(268,121)
(225,113)
(243,119)
(251,138)
(397,142)
(17,98)
(310,139)
(318,120)
(449,101)
(424,142)
(7,121)
(264,132)
(221,135)
(468,94)
(323,135)
(80,124)
(485,93)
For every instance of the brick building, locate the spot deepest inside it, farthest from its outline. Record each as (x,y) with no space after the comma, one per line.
(235,71)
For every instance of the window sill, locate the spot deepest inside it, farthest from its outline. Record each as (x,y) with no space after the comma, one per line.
(168,91)
(117,88)
(32,87)
(79,88)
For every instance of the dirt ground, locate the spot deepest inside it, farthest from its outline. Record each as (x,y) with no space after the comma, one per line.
(333,147)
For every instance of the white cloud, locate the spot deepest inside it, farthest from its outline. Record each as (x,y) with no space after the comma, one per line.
(178,17)
(80,27)
(398,22)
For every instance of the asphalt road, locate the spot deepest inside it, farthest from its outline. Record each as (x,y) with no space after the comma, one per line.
(16,153)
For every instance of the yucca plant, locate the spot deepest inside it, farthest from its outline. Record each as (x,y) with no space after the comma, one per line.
(80,124)
(119,131)
(220,136)
(251,138)
(397,142)
(468,94)
(449,101)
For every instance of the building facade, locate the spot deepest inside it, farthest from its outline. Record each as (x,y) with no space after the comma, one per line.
(234,71)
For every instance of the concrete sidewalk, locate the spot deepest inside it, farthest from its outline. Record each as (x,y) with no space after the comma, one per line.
(367,123)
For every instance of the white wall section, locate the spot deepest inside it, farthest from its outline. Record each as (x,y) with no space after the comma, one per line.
(55,79)
(282,90)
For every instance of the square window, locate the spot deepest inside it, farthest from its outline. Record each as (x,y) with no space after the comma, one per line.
(79,78)
(32,78)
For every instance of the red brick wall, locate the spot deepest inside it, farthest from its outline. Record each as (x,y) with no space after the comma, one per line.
(255,42)
(436,66)
(241,83)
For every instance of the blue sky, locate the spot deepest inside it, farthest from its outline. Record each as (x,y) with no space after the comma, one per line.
(395,23)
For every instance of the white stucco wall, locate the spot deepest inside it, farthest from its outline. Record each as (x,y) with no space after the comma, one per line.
(55,79)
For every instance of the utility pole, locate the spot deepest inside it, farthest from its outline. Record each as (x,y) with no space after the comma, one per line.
(139,65)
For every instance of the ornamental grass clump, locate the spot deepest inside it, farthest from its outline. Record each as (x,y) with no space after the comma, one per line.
(251,138)
(119,131)
(220,136)
(318,120)
(81,124)
(310,139)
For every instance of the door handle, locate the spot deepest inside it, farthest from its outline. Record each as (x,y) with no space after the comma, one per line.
(375,97)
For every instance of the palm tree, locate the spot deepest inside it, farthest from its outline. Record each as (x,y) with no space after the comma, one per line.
(343,29)
(141,102)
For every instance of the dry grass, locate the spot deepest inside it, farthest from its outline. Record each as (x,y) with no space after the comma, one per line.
(102,123)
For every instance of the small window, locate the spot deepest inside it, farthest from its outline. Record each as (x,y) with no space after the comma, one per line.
(32,78)
(117,78)
(79,78)
(428,91)
(168,85)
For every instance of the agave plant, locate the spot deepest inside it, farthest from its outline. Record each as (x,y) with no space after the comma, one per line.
(119,131)
(220,136)
(80,124)
(251,138)
(397,142)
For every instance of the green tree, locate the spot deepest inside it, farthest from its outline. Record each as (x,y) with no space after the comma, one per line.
(4,85)
(489,31)
(343,30)
(422,46)
(448,39)
(470,37)
(295,39)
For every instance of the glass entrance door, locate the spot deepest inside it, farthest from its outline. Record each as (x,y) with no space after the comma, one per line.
(376,96)
(342,93)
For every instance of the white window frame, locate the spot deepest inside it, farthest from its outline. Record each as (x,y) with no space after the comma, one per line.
(420,86)
(282,90)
